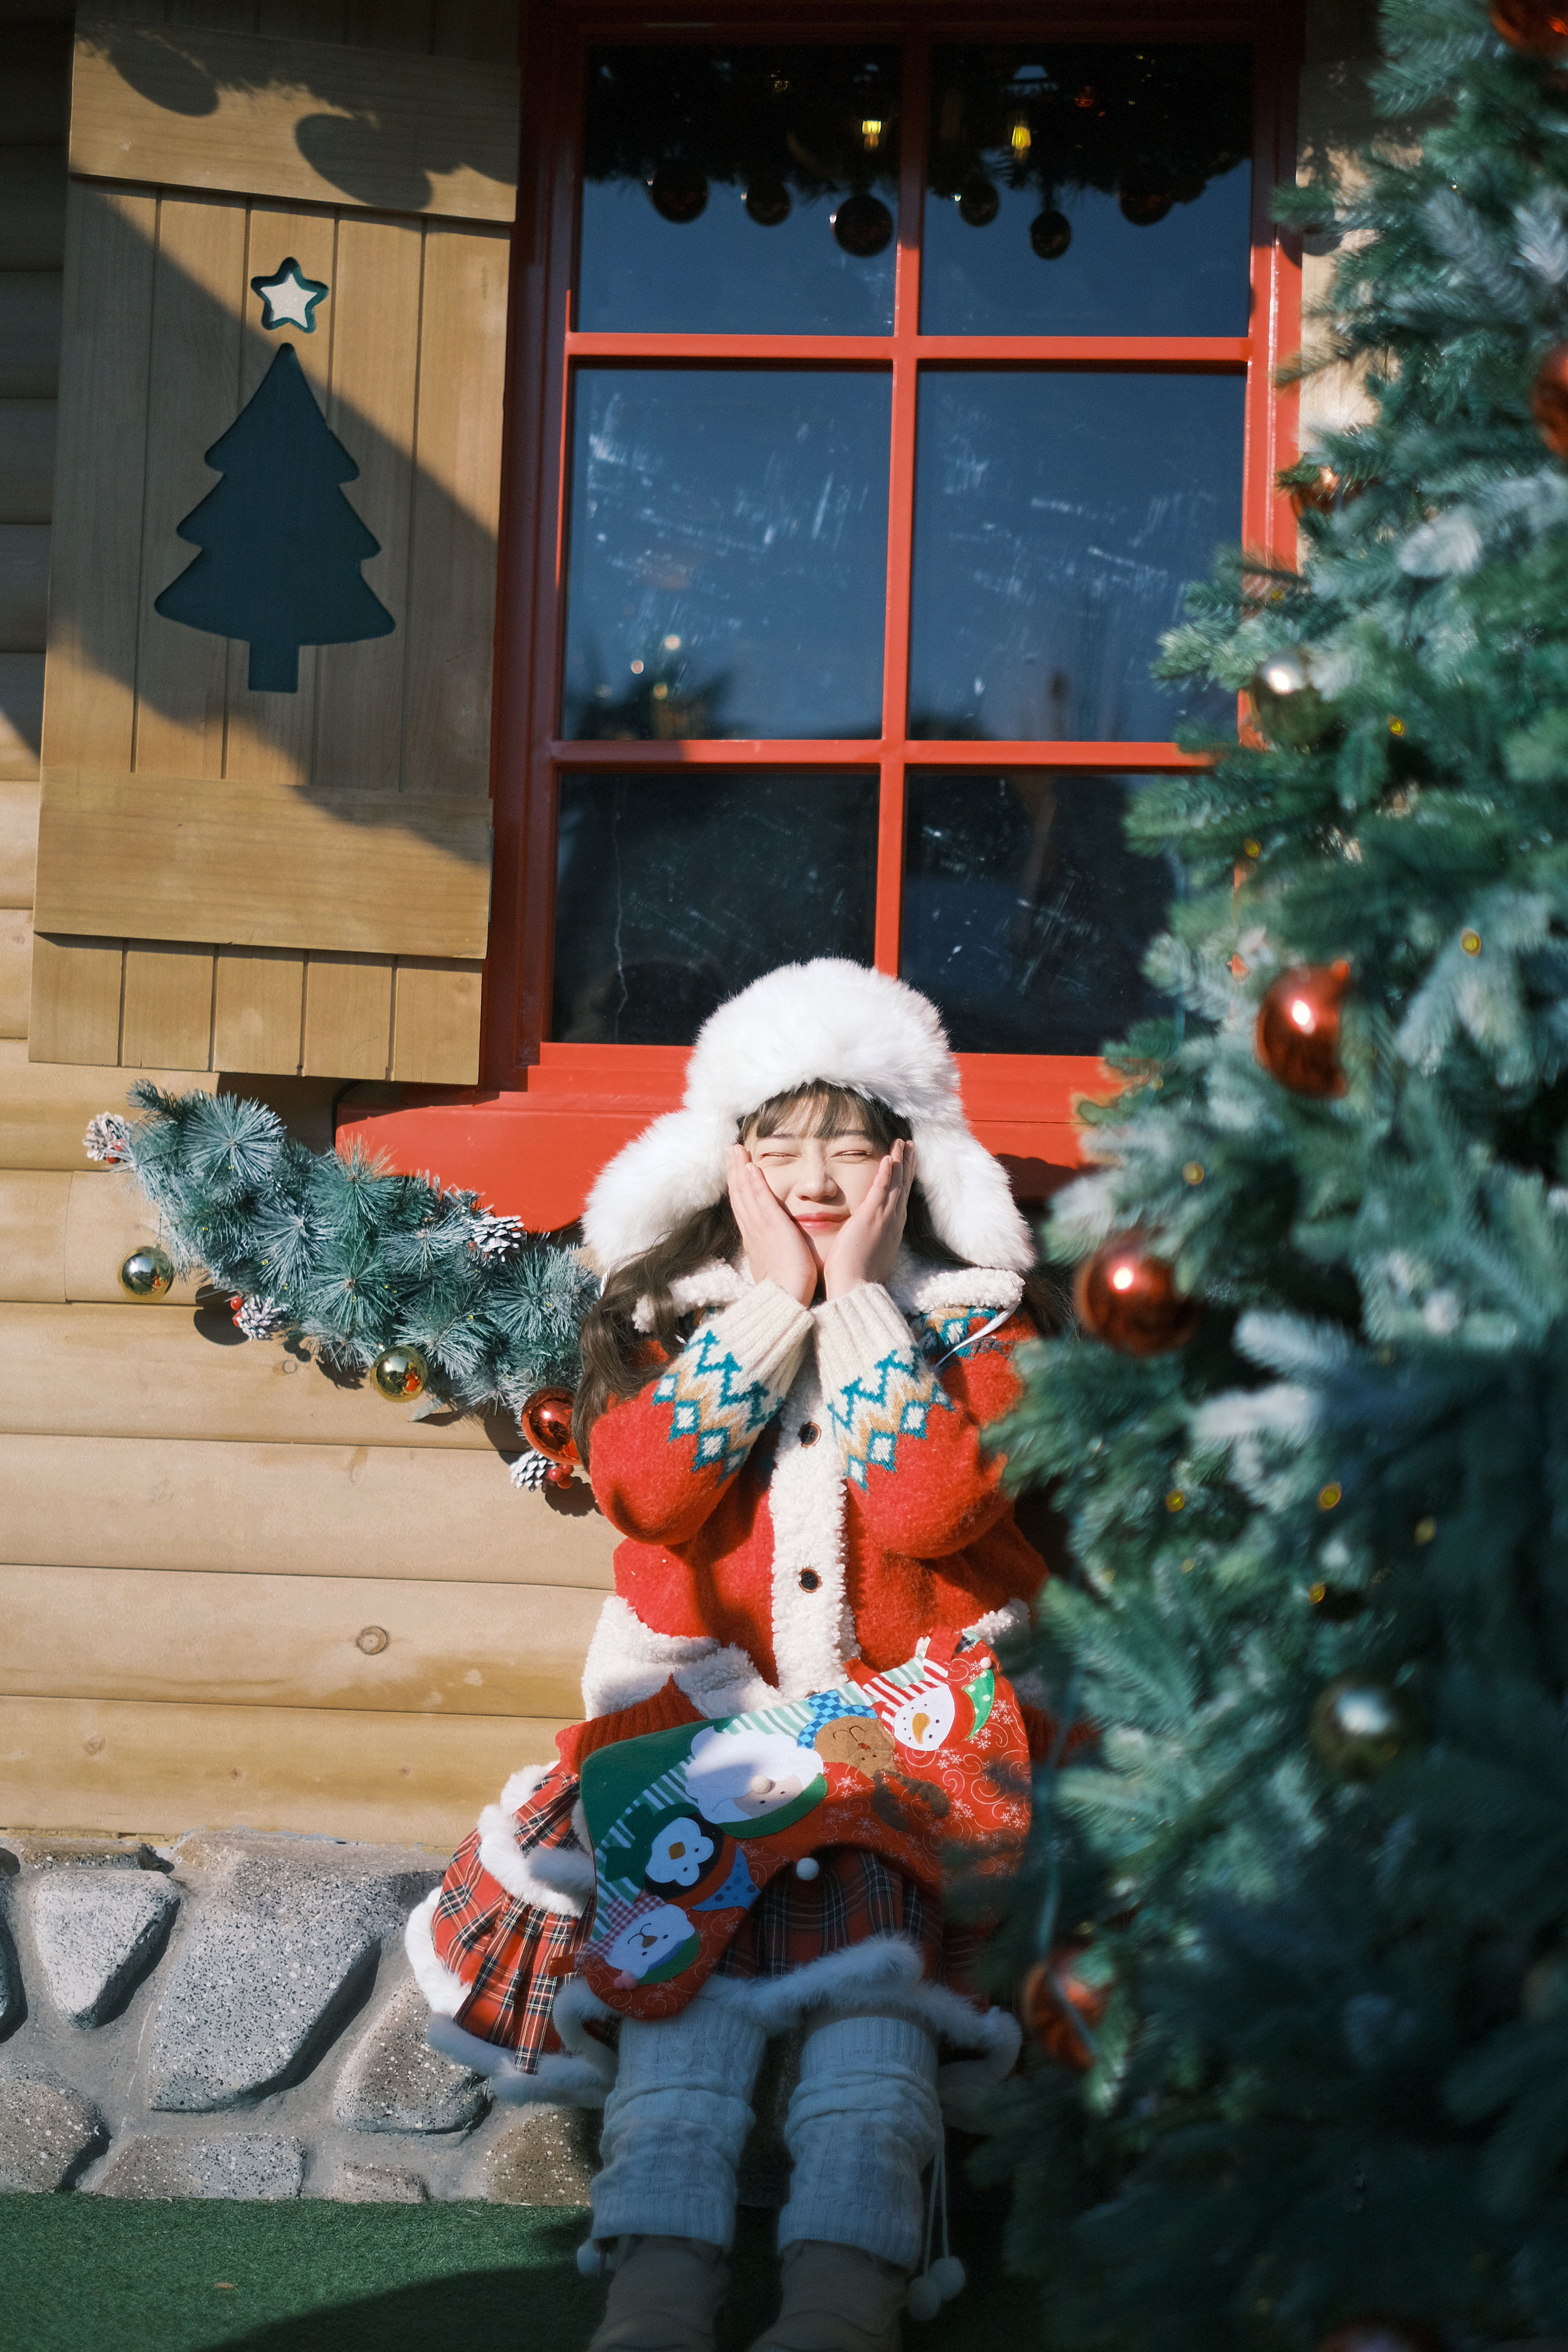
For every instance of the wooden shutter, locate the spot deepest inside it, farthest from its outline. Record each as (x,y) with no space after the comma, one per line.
(265,881)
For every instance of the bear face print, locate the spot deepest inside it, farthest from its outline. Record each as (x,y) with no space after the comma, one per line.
(648,1940)
(748,1778)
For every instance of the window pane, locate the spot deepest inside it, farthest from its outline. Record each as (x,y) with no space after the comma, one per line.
(739,190)
(728,559)
(1025,915)
(1057,519)
(674,891)
(1088,190)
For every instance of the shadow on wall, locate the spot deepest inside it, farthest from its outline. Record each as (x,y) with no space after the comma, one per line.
(182,71)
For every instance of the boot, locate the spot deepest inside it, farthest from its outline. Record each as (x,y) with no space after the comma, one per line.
(665,2295)
(835,2299)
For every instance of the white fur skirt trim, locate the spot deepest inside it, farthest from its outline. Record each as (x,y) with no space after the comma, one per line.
(560,2082)
(444,1992)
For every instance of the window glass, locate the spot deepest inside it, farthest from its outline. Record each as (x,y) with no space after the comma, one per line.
(1026,917)
(728,554)
(1057,519)
(739,190)
(1087,189)
(674,891)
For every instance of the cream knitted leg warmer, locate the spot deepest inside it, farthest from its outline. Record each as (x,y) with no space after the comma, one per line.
(863,2125)
(675,2124)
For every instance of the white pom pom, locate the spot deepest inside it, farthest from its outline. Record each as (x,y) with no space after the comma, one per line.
(590,2261)
(924,2301)
(807,1866)
(948,2277)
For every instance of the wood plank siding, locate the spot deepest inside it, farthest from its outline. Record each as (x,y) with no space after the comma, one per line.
(196,1530)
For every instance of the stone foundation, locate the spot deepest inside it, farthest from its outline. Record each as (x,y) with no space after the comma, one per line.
(233,2016)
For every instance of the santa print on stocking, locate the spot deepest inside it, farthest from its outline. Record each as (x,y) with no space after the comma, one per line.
(927,1764)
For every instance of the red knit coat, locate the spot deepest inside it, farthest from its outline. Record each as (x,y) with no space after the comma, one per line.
(802,1483)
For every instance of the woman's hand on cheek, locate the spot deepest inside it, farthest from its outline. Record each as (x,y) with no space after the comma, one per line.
(868,1242)
(776,1250)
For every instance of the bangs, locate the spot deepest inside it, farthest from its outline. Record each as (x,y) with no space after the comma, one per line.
(825,1110)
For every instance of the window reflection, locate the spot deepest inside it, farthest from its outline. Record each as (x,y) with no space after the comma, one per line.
(1058,521)
(739,190)
(728,554)
(672,892)
(1026,917)
(1088,188)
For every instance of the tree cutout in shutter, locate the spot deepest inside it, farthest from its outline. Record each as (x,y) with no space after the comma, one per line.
(280,546)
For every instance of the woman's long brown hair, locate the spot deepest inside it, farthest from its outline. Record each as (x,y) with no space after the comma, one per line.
(619,1359)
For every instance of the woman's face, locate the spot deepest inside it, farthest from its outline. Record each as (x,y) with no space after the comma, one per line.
(820,1179)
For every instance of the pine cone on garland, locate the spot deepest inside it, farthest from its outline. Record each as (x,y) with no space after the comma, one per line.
(108,1139)
(493,1237)
(259,1319)
(529,1472)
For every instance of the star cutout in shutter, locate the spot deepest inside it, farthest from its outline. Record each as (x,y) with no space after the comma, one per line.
(289,297)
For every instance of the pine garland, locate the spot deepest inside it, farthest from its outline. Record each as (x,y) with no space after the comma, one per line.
(333,1252)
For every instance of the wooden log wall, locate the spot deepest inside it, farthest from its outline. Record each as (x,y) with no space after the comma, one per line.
(203,1541)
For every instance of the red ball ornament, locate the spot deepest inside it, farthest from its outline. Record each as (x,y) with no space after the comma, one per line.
(1298,1036)
(1549,400)
(546,1421)
(1325,491)
(1382,2331)
(1129,1298)
(1047,2017)
(1535,27)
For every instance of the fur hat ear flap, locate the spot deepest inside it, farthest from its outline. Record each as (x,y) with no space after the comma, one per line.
(970,1199)
(665,1175)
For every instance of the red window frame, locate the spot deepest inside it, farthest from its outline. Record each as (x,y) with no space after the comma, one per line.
(548,1115)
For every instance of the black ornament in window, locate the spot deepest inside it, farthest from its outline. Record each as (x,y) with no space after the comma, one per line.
(768,203)
(978,201)
(1050,234)
(280,546)
(863,225)
(678,193)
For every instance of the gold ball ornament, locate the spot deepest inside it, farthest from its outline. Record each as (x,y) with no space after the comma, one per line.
(1289,707)
(1358,1727)
(400,1374)
(147,1274)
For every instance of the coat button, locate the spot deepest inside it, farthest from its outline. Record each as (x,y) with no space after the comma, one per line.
(809,1580)
(809,1432)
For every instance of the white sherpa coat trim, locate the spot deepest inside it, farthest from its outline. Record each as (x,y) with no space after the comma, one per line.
(831,1019)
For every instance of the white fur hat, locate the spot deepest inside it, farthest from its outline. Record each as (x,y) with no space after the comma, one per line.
(828,1020)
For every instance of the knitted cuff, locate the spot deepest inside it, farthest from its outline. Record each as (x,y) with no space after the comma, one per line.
(858,1332)
(765,1332)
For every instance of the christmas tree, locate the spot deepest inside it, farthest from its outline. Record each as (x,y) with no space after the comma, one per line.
(338,1257)
(1294,1931)
(281,547)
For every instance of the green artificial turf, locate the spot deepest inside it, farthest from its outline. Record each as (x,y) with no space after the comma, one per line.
(83,2273)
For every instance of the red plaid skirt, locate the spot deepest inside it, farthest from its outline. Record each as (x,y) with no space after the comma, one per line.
(512,1955)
